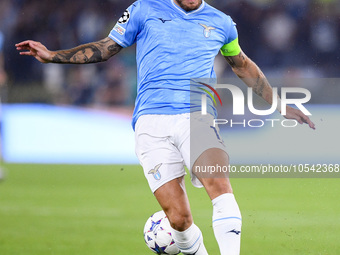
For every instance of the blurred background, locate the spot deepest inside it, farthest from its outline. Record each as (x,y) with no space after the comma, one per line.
(291,39)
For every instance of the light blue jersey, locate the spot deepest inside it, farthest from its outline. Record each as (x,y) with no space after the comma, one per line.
(173,47)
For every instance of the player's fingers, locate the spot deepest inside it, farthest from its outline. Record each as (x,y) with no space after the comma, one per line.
(309,122)
(34,45)
(22,43)
(23,47)
(26,53)
(298,118)
(27,45)
(311,125)
(305,119)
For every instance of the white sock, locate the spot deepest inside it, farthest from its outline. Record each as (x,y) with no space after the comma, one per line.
(227,224)
(190,241)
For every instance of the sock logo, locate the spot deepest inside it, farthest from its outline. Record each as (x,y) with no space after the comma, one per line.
(234,231)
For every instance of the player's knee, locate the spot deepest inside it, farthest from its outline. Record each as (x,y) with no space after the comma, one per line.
(180,221)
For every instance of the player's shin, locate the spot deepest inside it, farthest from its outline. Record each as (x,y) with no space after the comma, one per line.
(190,241)
(227,224)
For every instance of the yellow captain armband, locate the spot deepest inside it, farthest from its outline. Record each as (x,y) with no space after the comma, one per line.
(231,49)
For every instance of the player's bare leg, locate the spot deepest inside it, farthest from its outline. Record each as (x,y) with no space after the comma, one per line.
(174,201)
(216,183)
(226,214)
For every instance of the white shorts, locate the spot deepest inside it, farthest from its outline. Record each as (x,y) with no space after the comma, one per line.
(167,143)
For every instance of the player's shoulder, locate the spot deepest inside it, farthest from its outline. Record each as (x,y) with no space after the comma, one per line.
(217,14)
(142,7)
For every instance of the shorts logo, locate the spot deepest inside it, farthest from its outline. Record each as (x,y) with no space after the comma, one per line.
(156,174)
(207,30)
(125,17)
(120,30)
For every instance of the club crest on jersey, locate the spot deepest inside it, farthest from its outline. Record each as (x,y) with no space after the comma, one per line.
(125,17)
(156,174)
(207,30)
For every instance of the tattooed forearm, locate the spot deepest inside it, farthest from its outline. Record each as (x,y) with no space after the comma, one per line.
(251,75)
(230,61)
(260,84)
(236,60)
(114,48)
(88,53)
(80,55)
(109,47)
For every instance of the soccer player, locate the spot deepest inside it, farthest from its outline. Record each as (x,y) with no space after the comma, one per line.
(177,40)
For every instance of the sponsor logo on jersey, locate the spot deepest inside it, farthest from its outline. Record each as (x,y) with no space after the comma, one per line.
(207,30)
(119,29)
(164,20)
(125,17)
(156,174)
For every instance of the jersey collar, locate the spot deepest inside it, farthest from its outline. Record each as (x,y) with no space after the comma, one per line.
(187,13)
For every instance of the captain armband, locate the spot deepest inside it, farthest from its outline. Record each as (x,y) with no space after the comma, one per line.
(231,49)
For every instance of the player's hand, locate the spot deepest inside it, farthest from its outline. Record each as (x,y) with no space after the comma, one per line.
(35,49)
(292,113)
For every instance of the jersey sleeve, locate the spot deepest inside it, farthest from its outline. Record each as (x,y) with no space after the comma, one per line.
(128,26)
(231,47)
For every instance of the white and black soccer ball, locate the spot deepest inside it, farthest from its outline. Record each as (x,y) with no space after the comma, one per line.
(157,234)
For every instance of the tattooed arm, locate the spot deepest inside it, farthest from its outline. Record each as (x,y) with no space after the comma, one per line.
(252,75)
(84,54)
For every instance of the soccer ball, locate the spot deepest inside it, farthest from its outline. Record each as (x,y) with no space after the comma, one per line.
(157,234)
